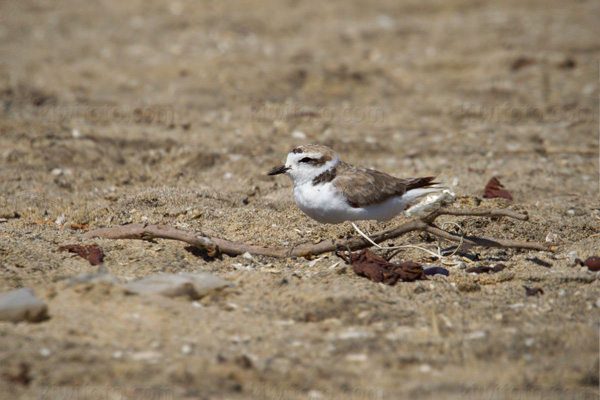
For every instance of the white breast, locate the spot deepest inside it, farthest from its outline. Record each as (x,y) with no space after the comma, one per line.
(326,204)
(323,203)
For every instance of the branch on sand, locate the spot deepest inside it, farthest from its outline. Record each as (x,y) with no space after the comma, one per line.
(215,245)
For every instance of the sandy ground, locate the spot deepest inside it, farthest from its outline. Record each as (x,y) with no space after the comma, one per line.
(172,112)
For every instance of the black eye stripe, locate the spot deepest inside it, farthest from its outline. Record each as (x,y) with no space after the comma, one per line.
(306,160)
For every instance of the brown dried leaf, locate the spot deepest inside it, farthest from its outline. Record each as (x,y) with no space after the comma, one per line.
(536,291)
(378,269)
(21,377)
(521,62)
(79,226)
(494,189)
(92,252)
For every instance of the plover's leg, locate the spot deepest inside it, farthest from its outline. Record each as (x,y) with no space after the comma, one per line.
(361,233)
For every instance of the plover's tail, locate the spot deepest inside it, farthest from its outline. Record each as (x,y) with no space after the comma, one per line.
(423,195)
(416,183)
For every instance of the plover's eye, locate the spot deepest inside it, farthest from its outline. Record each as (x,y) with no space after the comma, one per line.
(306,160)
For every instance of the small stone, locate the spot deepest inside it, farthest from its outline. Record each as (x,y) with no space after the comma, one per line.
(476,335)
(425,368)
(298,135)
(146,356)
(170,285)
(247,256)
(462,265)
(499,267)
(187,349)
(22,305)
(357,357)
(571,212)
(102,274)
(45,352)
(436,271)
(593,263)
(552,237)
(468,287)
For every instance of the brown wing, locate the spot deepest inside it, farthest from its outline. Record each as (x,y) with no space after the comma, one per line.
(366,187)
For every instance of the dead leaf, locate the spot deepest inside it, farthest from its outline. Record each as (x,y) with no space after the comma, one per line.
(521,62)
(22,377)
(378,269)
(92,252)
(79,226)
(494,189)
(536,291)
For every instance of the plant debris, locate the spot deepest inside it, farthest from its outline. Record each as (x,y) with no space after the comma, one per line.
(91,252)
(486,270)
(21,377)
(378,269)
(577,263)
(534,291)
(494,189)
(521,62)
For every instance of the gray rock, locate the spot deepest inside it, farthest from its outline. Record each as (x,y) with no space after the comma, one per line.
(171,285)
(100,275)
(22,305)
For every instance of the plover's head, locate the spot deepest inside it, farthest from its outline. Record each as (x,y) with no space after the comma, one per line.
(306,162)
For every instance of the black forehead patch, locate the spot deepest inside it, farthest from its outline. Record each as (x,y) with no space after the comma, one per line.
(297,150)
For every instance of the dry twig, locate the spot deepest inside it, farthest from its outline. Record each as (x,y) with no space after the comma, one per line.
(215,245)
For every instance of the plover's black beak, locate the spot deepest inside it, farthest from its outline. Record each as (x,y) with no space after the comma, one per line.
(278,170)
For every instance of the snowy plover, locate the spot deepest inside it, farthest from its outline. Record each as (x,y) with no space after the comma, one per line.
(331,191)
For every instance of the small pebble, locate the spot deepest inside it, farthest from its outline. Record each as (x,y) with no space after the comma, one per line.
(436,271)
(45,352)
(593,263)
(462,265)
(357,357)
(22,305)
(499,267)
(298,135)
(425,368)
(187,349)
